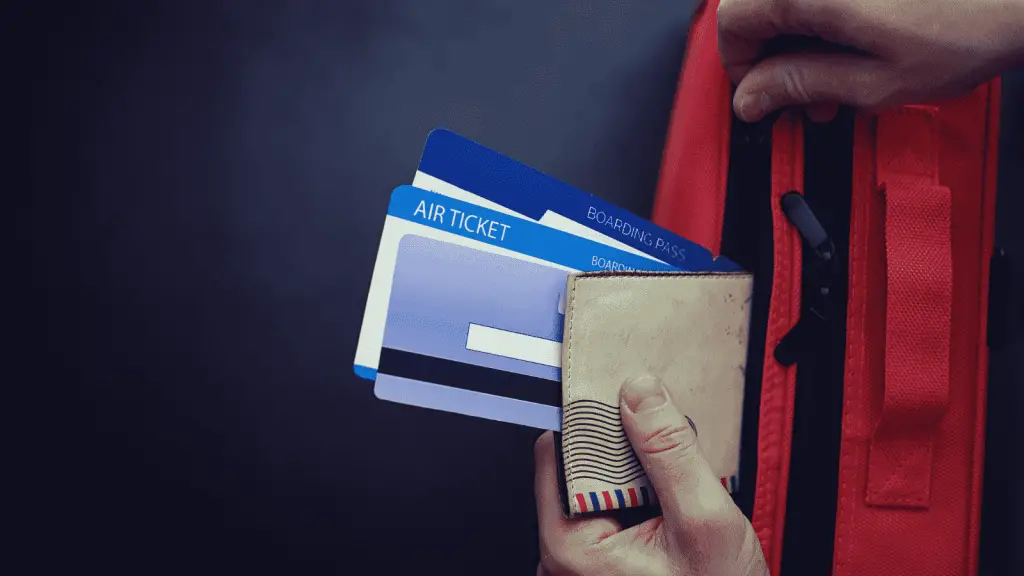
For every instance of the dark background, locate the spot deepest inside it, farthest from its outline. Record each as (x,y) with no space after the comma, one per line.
(208,183)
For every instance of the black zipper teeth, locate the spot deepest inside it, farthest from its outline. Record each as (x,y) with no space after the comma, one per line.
(818,346)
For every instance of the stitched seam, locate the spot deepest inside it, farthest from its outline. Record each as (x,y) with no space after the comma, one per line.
(769,430)
(769,435)
(978,447)
(886,489)
(859,401)
(663,275)
(568,388)
(853,360)
(854,383)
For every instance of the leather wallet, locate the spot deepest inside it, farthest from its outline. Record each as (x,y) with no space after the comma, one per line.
(690,330)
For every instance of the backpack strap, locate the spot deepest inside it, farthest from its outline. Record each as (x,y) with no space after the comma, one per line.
(919,288)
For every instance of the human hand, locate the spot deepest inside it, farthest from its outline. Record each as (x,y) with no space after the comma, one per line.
(701,531)
(907,52)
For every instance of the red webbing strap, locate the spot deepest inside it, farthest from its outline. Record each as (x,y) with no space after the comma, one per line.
(918,308)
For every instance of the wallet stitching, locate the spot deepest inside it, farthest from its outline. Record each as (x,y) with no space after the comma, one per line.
(568,388)
(662,275)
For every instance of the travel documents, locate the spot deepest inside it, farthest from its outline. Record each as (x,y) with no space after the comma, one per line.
(467,298)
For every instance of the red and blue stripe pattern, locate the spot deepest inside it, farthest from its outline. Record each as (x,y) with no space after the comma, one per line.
(613,499)
(731,484)
(629,497)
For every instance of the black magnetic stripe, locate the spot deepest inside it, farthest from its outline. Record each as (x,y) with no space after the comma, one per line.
(469,377)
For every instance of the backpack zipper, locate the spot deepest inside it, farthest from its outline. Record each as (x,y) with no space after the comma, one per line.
(817,344)
(766,162)
(819,209)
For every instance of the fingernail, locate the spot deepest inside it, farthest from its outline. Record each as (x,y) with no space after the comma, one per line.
(745,107)
(644,394)
(766,104)
(692,425)
(752,106)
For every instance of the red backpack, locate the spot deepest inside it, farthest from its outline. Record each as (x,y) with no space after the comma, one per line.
(871,240)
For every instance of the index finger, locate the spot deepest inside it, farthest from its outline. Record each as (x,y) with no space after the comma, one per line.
(743,28)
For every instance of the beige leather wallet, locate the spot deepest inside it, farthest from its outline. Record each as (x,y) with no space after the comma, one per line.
(690,330)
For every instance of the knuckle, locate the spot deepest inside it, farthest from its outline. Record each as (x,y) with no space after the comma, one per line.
(869,96)
(782,13)
(719,520)
(750,558)
(669,438)
(725,8)
(796,15)
(568,555)
(562,555)
(726,12)
(779,13)
(874,88)
(876,94)
(793,80)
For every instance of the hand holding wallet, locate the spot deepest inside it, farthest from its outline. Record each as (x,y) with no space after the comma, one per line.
(700,530)
(689,330)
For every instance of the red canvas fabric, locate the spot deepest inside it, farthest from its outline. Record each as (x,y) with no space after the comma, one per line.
(695,163)
(922,221)
(913,424)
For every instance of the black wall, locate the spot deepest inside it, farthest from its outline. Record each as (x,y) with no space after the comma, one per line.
(209,181)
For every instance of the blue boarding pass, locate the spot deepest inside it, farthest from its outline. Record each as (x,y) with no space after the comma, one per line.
(456,166)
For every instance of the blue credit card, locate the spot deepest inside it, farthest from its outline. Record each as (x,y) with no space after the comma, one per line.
(462,163)
(474,332)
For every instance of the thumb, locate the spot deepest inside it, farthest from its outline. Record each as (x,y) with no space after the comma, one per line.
(665,442)
(802,79)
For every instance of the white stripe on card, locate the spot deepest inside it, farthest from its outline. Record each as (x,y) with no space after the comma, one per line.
(514,345)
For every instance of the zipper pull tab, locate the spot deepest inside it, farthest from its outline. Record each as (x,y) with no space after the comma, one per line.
(822,257)
(799,214)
